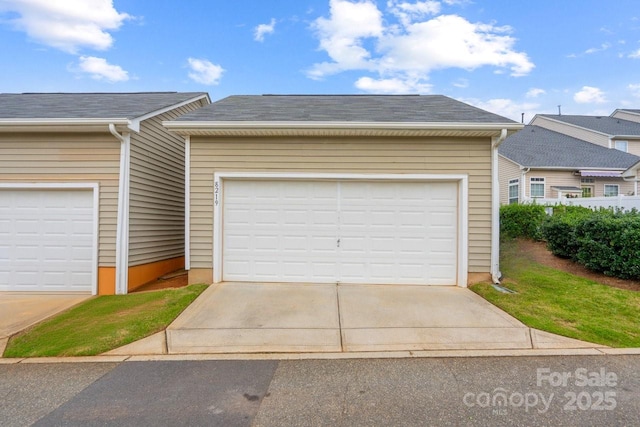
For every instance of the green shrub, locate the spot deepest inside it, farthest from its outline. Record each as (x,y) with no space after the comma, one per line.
(610,243)
(559,230)
(522,220)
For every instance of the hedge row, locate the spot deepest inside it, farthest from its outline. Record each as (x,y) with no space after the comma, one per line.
(605,241)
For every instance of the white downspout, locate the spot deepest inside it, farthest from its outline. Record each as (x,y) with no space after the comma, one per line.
(122,227)
(523,179)
(187,203)
(495,208)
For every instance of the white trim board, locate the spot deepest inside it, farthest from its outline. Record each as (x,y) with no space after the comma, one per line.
(95,188)
(463,203)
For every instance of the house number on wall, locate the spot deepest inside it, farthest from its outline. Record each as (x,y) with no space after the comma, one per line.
(216,191)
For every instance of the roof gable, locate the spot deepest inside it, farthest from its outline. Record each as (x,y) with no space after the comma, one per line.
(537,147)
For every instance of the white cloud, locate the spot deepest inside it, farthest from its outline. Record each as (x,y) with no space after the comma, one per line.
(635,55)
(507,108)
(342,35)
(67,25)
(100,69)
(603,46)
(409,12)
(357,37)
(534,92)
(263,29)
(205,72)
(392,86)
(634,89)
(461,83)
(589,95)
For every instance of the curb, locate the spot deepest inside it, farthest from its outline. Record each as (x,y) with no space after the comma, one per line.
(330,356)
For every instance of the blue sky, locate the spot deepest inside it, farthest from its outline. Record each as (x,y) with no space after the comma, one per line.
(506,56)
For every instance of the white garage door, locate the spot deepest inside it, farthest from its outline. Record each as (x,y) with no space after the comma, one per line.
(46,240)
(340,231)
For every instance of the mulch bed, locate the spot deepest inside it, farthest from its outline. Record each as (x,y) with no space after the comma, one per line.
(538,252)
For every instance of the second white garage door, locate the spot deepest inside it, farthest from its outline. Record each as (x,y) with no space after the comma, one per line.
(378,232)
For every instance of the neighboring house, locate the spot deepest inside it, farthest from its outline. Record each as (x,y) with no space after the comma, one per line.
(630,115)
(91,190)
(608,132)
(540,163)
(350,189)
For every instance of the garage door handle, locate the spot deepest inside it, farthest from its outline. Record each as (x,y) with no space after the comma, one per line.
(338,242)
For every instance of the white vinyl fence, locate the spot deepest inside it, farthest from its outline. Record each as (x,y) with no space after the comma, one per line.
(619,202)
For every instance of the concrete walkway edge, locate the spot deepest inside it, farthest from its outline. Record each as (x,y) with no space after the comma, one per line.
(323,356)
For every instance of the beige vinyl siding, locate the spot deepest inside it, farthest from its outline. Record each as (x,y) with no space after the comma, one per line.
(584,134)
(156,217)
(507,170)
(633,145)
(625,188)
(346,155)
(568,179)
(77,158)
(623,115)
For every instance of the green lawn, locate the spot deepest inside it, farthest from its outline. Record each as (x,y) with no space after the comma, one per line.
(103,323)
(564,304)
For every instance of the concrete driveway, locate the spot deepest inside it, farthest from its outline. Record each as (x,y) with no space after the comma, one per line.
(18,311)
(263,318)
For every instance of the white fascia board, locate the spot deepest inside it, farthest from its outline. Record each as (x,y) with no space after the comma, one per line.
(70,125)
(621,137)
(201,125)
(632,171)
(135,123)
(563,168)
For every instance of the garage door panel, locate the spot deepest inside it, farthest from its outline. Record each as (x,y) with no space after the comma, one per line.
(388,232)
(49,240)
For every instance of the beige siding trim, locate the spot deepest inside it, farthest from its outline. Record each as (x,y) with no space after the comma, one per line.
(471,157)
(507,170)
(576,132)
(73,158)
(623,115)
(156,214)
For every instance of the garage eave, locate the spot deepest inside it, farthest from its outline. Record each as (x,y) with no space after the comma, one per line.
(62,125)
(400,129)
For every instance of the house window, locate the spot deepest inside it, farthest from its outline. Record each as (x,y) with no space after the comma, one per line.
(610,190)
(514,191)
(587,180)
(621,145)
(537,187)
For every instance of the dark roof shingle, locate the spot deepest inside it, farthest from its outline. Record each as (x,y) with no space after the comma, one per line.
(342,108)
(88,105)
(537,147)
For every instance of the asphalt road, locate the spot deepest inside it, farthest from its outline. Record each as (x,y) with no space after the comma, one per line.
(516,391)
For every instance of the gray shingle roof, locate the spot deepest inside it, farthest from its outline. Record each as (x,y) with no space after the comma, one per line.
(607,125)
(342,108)
(537,147)
(87,105)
